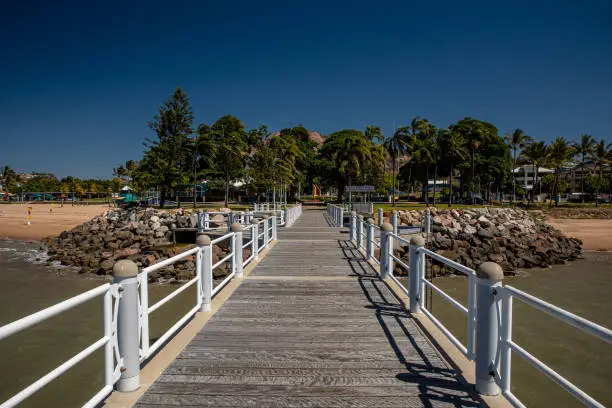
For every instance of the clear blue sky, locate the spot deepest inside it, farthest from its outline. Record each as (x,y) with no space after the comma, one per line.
(80,80)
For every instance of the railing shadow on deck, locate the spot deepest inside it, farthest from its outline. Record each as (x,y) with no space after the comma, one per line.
(432,389)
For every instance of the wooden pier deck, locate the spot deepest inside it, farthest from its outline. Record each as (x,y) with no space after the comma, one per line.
(311,326)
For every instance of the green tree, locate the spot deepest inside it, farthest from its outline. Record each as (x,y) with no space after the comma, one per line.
(9,180)
(516,141)
(374,134)
(453,146)
(230,138)
(585,148)
(537,154)
(396,146)
(167,160)
(345,154)
(559,154)
(601,155)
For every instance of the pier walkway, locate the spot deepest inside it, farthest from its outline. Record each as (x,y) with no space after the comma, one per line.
(311,326)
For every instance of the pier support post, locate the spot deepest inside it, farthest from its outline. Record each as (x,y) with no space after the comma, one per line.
(125,274)
(255,243)
(237,247)
(353,226)
(380,217)
(369,239)
(359,231)
(489,277)
(394,221)
(416,273)
(203,242)
(275,227)
(266,230)
(386,249)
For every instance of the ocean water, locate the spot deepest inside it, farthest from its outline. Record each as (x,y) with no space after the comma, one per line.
(27,285)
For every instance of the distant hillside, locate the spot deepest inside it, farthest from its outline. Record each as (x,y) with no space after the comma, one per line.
(314,136)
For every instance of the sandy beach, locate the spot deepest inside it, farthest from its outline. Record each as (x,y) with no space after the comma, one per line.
(596,235)
(43,223)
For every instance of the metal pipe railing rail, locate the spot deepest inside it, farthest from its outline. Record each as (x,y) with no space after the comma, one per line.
(261,207)
(110,295)
(336,214)
(488,311)
(292,214)
(503,375)
(127,312)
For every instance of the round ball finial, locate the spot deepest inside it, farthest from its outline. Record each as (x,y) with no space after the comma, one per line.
(254,221)
(370,221)
(417,240)
(353,213)
(125,269)
(235,227)
(266,217)
(360,217)
(387,227)
(203,240)
(394,211)
(491,271)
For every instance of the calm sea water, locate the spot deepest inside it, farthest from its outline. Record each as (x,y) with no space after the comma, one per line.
(28,285)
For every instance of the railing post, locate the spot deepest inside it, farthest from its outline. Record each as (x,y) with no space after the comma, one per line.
(341,217)
(237,247)
(369,239)
(353,225)
(125,274)
(198,270)
(380,217)
(288,221)
(489,278)
(359,230)
(266,230)
(206,221)
(427,226)
(386,249)
(394,221)
(255,238)
(274,227)
(203,242)
(416,273)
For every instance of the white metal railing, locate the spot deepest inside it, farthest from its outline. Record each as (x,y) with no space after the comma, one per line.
(292,214)
(112,361)
(488,311)
(503,375)
(336,214)
(127,313)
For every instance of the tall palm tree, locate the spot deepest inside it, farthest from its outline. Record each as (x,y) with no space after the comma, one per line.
(396,145)
(560,153)
(601,155)
(426,153)
(517,140)
(374,134)
(454,150)
(585,148)
(536,154)
(8,177)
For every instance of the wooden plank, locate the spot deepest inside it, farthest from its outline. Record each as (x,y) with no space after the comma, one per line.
(301,342)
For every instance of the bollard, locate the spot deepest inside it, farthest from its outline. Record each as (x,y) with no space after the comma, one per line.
(394,221)
(416,272)
(237,246)
(488,278)
(369,239)
(353,225)
(359,231)
(380,217)
(125,274)
(203,242)
(427,222)
(386,249)
(266,230)
(274,227)
(255,239)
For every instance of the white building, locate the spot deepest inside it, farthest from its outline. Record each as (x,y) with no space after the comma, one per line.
(524,175)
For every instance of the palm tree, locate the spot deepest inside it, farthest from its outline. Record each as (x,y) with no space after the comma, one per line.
(536,154)
(585,148)
(8,176)
(560,153)
(425,153)
(374,134)
(601,155)
(454,150)
(396,146)
(517,140)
